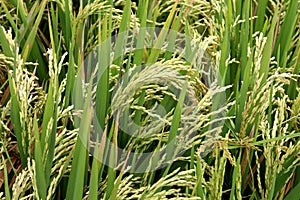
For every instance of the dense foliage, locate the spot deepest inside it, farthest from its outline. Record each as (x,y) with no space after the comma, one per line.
(212,86)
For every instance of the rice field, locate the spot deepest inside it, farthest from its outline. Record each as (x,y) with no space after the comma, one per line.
(150,99)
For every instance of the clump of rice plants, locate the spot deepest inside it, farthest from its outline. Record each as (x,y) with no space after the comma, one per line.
(123,99)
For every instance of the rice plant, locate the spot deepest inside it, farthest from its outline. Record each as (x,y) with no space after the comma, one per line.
(124,99)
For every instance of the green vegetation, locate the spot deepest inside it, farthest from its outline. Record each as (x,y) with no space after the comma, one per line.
(238,139)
